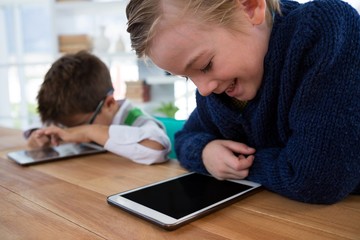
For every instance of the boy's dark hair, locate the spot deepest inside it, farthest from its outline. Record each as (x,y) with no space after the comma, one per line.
(74,84)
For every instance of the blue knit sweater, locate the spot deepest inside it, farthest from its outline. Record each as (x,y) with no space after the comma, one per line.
(305,120)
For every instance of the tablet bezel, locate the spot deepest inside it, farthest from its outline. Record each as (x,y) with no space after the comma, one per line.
(67,151)
(168,222)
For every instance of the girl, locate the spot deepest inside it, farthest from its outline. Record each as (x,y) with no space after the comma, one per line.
(278,98)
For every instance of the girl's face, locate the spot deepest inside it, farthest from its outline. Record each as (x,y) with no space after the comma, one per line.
(216,59)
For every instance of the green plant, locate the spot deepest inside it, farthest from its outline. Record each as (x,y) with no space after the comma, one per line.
(168,109)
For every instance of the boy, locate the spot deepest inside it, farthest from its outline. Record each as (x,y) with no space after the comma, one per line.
(76,104)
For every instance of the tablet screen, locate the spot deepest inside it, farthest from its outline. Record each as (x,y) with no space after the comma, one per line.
(182,196)
(68,150)
(176,201)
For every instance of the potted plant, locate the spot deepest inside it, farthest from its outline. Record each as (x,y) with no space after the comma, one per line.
(172,125)
(167,109)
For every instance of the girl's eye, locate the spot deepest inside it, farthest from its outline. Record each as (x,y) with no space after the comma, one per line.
(207,67)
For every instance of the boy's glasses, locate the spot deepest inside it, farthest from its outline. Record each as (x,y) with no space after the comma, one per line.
(97,111)
(98,108)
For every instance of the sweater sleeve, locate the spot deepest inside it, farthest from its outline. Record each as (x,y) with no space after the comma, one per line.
(190,141)
(204,126)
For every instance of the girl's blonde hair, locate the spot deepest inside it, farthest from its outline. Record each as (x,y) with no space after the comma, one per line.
(144,15)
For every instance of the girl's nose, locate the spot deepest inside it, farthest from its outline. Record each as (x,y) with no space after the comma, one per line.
(204,86)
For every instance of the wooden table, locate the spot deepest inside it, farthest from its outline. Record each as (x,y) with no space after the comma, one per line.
(67,200)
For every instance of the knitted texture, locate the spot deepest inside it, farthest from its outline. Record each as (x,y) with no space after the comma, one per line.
(305,120)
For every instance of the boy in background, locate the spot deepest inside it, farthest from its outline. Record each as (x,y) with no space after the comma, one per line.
(76,104)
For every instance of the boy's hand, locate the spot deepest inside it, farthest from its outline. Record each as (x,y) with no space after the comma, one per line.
(38,140)
(226,159)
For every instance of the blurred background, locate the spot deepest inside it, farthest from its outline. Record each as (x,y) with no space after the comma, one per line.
(34,33)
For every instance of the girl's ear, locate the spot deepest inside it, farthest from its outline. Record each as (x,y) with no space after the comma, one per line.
(255,10)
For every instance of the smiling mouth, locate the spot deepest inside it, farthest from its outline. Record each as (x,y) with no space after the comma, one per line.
(231,87)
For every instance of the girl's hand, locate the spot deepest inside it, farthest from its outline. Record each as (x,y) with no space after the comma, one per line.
(225,159)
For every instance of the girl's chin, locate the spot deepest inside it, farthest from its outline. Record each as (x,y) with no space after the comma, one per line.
(240,98)
(236,93)
(243,97)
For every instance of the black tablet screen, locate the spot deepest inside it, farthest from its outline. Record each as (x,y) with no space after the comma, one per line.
(182,196)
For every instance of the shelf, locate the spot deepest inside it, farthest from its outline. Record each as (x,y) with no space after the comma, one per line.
(118,55)
(162,79)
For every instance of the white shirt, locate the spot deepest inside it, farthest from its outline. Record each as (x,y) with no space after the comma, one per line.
(130,126)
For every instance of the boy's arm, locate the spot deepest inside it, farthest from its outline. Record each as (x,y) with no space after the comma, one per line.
(91,133)
(152,144)
(137,135)
(146,143)
(78,134)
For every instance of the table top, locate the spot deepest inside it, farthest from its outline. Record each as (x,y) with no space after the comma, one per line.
(67,200)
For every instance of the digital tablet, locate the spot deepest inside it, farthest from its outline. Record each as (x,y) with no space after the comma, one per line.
(177,201)
(63,151)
